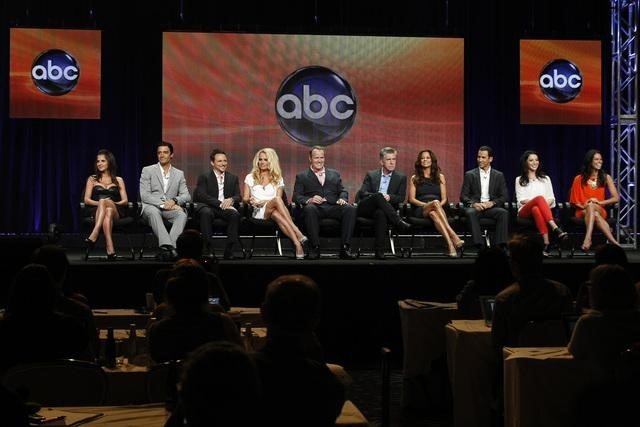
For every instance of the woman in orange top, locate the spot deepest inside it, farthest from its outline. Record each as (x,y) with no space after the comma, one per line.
(588,197)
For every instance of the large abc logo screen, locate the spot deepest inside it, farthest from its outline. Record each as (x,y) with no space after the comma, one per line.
(560,82)
(55,72)
(315,106)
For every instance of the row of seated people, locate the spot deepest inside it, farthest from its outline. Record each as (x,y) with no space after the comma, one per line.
(284,382)
(319,193)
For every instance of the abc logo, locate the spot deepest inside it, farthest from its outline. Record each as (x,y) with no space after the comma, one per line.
(560,81)
(315,106)
(55,72)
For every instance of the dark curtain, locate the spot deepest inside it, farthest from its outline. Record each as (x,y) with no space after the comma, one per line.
(45,163)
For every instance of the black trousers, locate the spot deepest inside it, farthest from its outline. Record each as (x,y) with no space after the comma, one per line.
(376,206)
(314,213)
(206,214)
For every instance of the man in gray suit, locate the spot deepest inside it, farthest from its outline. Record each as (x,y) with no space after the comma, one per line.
(484,192)
(163,190)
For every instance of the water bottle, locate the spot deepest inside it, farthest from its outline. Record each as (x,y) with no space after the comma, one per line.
(248,337)
(110,350)
(132,350)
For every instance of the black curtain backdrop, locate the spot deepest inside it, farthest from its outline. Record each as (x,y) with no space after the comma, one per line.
(44,162)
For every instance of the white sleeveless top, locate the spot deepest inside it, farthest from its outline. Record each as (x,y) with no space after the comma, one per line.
(259,192)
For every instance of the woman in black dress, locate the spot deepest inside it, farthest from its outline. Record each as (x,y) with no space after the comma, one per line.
(106,195)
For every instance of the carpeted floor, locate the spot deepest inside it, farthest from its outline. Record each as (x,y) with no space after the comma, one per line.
(366,393)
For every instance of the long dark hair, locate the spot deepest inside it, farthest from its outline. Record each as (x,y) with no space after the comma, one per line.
(587,168)
(524,174)
(112,167)
(419,177)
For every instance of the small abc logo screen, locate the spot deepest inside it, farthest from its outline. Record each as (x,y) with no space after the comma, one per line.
(560,82)
(54,73)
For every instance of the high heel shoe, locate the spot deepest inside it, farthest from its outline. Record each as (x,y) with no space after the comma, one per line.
(560,235)
(300,255)
(89,243)
(112,257)
(304,240)
(459,244)
(545,251)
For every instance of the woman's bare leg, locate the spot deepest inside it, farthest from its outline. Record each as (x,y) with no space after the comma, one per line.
(589,219)
(604,227)
(445,221)
(99,220)
(277,205)
(287,230)
(437,221)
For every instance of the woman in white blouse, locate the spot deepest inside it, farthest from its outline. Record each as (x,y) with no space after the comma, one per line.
(263,189)
(534,194)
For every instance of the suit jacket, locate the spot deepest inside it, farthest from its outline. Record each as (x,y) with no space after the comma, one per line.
(470,192)
(397,189)
(307,186)
(152,191)
(207,189)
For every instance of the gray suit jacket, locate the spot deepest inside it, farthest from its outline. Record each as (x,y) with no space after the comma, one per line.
(152,191)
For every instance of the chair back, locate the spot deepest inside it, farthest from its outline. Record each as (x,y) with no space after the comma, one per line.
(543,333)
(65,382)
(161,383)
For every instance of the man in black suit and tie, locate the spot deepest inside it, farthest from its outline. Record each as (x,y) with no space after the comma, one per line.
(382,191)
(218,192)
(484,192)
(319,190)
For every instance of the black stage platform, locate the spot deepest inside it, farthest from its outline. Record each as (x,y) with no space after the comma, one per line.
(360,296)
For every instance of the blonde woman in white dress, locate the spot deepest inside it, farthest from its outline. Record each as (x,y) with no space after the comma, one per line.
(263,189)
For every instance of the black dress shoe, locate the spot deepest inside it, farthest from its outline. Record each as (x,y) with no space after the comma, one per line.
(380,254)
(345,253)
(314,252)
(403,225)
(228,254)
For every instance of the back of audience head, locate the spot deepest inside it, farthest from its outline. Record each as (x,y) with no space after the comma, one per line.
(610,254)
(292,304)
(526,257)
(491,271)
(32,292)
(187,287)
(219,386)
(189,244)
(611,288)
(55,259)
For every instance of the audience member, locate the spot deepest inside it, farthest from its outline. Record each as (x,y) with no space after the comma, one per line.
(614,323)
(531,297)
(298,387)
(31,330)
(603,254)
(55,259)
(190,322)
(219,387)
(189,246)
(491,274)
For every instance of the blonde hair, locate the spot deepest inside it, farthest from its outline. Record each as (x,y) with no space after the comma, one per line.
(275,173)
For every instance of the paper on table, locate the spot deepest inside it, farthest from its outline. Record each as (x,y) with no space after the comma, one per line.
(66,418)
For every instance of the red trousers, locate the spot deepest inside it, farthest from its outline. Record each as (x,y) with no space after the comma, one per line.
(538,209)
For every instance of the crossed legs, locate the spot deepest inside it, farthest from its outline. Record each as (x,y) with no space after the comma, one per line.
(538,209)
(105,214)
(276,210)
(592,216)
(434,211)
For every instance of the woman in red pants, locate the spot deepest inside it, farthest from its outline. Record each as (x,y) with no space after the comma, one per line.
(534,194)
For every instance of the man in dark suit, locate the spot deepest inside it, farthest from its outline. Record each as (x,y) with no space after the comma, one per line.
(218,194)
(382,191)
(320,192)
(483,193)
